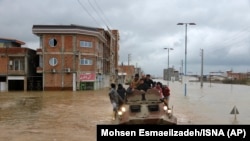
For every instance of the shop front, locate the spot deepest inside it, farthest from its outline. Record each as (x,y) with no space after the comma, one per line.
(87,81)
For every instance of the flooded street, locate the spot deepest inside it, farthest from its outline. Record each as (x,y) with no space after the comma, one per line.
(211,104)
(53,116)
(73,116)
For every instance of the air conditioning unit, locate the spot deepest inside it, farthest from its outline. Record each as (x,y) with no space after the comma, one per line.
(67,70)
(53,70)
(76,53)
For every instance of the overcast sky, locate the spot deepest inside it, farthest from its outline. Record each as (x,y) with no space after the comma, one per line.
(146,27)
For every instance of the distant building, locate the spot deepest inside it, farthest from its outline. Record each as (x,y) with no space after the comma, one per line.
(220,76)
(18,67)
(126,73)
(74,57)
(170,74)
(237,76)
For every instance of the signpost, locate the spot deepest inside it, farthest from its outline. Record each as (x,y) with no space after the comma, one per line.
(235,112)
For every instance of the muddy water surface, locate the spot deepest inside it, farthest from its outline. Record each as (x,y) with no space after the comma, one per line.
(53,116)
(73,116)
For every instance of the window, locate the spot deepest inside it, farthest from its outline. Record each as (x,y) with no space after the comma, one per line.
(86,62)
(85,44)
(52,42)
(53,61)
(40,60)
(135,108)
(41,42)
(17,64)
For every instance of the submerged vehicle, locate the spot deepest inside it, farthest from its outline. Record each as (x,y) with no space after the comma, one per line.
(145,108)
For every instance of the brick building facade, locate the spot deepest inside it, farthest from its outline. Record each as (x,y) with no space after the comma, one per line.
(18,64)
(73,57)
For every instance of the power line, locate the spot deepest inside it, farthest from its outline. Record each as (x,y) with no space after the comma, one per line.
(98,13)
(238,37)
(102,13)
(88,12)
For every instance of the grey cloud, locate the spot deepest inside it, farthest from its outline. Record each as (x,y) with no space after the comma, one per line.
(146,27)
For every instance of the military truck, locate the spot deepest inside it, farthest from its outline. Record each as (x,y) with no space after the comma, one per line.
(145,108)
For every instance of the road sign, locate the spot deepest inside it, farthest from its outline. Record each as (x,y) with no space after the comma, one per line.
(234,110)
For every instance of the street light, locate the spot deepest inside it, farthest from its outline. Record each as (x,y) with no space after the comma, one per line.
(185,86)
(168,63)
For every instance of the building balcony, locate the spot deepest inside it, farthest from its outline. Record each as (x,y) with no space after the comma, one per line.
(16,72)
(39,70)
(39,51)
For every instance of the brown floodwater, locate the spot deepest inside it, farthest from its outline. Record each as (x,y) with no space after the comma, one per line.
(73,116)
(53,116)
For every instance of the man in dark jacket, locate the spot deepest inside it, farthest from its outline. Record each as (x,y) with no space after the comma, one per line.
(122,92)
(143,87)
(149,81)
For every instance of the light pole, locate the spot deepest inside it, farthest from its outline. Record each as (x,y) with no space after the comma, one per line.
(168,62)
(201,68)
(185,86)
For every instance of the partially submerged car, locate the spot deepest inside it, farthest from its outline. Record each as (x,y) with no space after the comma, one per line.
(145,108)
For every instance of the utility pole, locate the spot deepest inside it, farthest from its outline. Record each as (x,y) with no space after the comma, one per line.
(122,73)
(129,58)
(201,68)
(168,76)
(182,71)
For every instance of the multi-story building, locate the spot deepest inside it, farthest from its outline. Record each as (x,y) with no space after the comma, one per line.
(170,74)
(74,57)
(18,66)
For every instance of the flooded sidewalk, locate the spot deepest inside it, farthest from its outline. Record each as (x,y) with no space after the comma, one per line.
(73,116)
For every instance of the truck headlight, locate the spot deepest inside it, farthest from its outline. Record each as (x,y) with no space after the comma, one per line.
(119,113)
(165,108)
(169,111)
(123,109)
